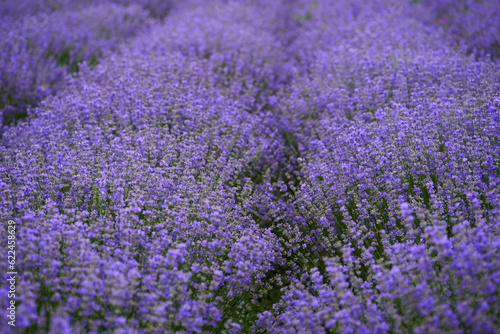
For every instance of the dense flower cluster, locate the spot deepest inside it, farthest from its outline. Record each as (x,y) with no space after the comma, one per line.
(265,166)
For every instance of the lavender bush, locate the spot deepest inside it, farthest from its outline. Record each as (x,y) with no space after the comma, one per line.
(252,166)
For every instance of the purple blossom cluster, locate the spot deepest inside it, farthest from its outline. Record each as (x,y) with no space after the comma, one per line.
(252,166)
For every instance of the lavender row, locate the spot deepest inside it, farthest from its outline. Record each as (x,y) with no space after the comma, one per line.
(130,188)
(39,50)
(473,22)
(22,8)
(393,226)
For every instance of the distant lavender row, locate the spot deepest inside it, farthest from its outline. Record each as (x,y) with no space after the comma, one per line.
(20,8)
(475,22)
(39,50)
(275,167)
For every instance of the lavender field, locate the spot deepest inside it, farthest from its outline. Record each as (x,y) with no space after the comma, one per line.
(250,166)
